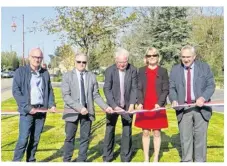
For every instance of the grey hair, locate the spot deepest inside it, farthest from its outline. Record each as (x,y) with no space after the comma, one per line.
(120,52)
(80,54)
(189,47)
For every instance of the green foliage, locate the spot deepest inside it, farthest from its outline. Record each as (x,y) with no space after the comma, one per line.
(65,56)
(9,61)
(171,32)
(54,61)
(85,27)
(208,37)
(165,28)
(219,81)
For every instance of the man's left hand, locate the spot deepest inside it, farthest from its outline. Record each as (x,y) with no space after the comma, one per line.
(109,110)
(53,109)
(200,101)
(156,106)
(131,108)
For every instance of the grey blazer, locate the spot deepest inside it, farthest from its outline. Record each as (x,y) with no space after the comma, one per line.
(71,95)
(112,86)
(203,84)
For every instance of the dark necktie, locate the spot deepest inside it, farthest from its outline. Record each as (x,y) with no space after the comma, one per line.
(82,89)
(189,99)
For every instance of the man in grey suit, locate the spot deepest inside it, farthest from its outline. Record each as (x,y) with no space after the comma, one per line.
(120,89)
(79,91)
(192,82)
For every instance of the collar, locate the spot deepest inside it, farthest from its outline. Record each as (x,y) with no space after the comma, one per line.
(35,72)
(191,67)
(78,72)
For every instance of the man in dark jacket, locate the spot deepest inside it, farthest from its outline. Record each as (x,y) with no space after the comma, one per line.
(192,82)
(32,91)
(120,89)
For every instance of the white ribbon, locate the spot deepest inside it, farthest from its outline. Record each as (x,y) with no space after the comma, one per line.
(122,111)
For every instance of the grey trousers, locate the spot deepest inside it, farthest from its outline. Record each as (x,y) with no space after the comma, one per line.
(193,136)
(70,130)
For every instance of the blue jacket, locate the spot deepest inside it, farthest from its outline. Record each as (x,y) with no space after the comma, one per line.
(21,89)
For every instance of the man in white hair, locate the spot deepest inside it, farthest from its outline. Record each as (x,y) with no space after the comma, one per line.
(120,89)
(192,81)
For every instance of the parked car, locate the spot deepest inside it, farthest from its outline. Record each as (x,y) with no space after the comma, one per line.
(5,74)
(12,73)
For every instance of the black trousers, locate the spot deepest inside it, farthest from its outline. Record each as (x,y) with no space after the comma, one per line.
(126,140)
(70,130)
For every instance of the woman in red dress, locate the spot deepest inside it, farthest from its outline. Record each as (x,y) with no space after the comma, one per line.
(153,88)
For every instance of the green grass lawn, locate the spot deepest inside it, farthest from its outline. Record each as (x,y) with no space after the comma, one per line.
(52,139)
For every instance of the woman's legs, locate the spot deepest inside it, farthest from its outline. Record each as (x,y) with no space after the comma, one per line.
(157,143)
(146,144)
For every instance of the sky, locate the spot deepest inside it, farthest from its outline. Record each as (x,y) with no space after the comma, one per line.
(47,43)
(13,40)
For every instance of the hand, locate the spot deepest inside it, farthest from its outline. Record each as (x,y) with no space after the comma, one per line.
(109,110)
(156,106)
(200,101)
(117,108)
(174,103)
(131,108)
(53,109)
(84,111)
(140,107)
(33,111)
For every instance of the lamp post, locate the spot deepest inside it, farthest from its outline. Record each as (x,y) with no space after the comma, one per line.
(14,27)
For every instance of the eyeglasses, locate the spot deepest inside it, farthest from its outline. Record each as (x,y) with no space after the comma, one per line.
(155,55)
(37,57)
(84,62)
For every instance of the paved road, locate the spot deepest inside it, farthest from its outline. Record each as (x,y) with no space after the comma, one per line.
(6,88)
(6,92)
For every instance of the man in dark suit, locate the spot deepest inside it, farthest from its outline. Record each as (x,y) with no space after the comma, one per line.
(192,82)
(32,91)
(79,92)
(120,89)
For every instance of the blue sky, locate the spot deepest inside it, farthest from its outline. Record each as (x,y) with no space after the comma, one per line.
(47,43)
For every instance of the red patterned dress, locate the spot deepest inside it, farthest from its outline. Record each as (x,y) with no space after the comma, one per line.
(151,120)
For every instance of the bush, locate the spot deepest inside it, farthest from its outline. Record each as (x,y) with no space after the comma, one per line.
(219,81)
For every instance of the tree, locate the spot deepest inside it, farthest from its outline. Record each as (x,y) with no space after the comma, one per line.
(9,61)
(165,28)
(85,27)
(208,36)
(65,56)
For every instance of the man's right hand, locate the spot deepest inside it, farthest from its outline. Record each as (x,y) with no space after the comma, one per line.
(84,111)
(33,111)
(174,103)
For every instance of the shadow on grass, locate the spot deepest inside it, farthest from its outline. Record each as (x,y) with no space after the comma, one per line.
(4,117)
(175,141)
(60,152)
(9,144)
(47,127)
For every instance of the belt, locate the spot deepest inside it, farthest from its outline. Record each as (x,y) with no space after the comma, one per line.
(193,101)
(37,106)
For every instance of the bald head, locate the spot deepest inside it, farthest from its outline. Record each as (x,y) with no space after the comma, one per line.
(35,51)
(35,58)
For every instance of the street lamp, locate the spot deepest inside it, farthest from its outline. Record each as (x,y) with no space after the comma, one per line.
(14,27)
